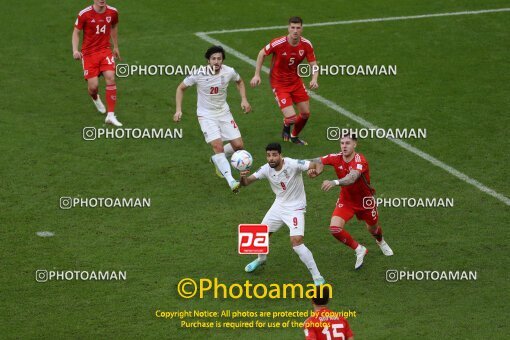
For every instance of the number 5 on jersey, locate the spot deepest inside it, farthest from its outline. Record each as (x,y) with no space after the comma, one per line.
(337,332)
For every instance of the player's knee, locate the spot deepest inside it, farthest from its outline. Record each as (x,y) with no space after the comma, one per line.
(217,146)
(237,145)
(296,241)
(218,149)
(109,77)
(109,80)
(305,115)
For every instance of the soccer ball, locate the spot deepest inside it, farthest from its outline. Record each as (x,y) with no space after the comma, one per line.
(241,160)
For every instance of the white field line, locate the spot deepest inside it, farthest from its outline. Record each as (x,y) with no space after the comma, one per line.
(348,22)
(367,124)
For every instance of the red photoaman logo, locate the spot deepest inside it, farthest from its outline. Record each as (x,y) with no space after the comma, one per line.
(253,239)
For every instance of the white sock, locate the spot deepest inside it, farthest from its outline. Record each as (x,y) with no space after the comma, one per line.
(228,149)
(223,165)
(262,257)
(307,258)
(111,114)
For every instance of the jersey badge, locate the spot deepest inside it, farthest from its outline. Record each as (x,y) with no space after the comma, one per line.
(108,19)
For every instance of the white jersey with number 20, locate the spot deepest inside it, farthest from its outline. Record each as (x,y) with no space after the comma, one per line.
(212,90)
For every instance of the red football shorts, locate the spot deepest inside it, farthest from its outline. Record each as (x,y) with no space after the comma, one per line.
(288,95)
(346,212)
(95,64)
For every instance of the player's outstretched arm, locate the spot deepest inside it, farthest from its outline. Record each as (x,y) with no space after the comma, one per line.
(179,94)
(114,35)
(349,179)
(255,81)
(76,41)
(316,167)
(244,100)
(315,76)
(245,179)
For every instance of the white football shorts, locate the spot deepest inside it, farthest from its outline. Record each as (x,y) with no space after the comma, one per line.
(278,216)
(223,127)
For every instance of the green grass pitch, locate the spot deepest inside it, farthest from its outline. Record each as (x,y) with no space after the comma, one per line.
(452,80)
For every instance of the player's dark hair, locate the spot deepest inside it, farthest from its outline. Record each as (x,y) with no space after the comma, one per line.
(322,295)
(295,20)
(214,49)
(351,135)
(274,147)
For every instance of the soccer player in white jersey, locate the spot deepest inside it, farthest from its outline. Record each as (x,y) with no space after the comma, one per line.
(285,177)
(213,112)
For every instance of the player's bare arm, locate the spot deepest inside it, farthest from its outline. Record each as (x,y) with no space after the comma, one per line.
(349,179)
(255,81)
(114,35)
(316,167)
(245,179)
(315,76)
(76,42)
(179,94)
(242,91)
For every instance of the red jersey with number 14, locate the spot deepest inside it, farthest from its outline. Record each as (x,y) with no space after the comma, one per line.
(96,28)
(326,324)
(286,59)
(353,194)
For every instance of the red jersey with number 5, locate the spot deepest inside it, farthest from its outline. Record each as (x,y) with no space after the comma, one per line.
(327,325)
(286,59)
(96,28)
(351,194)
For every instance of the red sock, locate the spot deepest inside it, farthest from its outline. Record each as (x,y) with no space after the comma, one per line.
(111,97)
(300,124)
(377,233)
(343,236)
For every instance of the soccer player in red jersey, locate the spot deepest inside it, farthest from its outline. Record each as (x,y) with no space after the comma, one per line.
(356,196)
(288,52)
(326,324)
(99,23)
